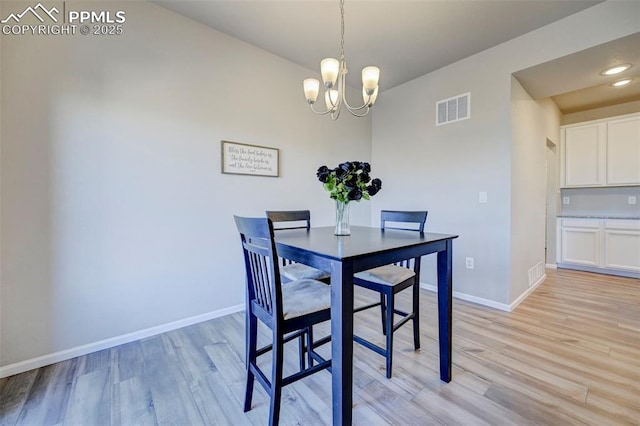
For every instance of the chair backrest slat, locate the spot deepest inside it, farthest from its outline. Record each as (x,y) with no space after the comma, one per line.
(260,281)
(289,219)
(407,263)
(263,275)
(416,218)
(277,217)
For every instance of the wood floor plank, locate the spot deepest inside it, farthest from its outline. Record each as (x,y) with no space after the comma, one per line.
(537,411)
(458,396)
(132,403)
(446,411)
(90,399)
(47,400)
(126,361)
(626,412)
(216,402)
(569,354)
(13,395)
(172,399)
(391,407)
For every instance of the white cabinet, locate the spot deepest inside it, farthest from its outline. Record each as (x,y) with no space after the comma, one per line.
(584,155)
(601,153)
(623,151)
(622,244)
(600,245)
(580,242)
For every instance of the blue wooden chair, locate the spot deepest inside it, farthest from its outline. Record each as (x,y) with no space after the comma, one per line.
(295,219)
(290,311)
(389,280)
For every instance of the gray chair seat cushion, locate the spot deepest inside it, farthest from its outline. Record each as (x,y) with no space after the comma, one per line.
(304,297)
(386,275)
(299,271)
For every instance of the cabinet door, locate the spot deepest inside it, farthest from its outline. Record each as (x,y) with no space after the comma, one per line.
(584,155)
(623,151)
(580,246)
(622,244)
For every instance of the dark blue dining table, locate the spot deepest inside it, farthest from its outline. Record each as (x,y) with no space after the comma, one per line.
(366,248)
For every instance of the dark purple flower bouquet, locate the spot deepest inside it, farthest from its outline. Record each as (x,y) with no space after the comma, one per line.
(350,181)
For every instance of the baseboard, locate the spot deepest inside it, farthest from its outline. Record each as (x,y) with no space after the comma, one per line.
(470,298)
(41,361)
(490,303)
(606,271)
(513,305)
(551,266)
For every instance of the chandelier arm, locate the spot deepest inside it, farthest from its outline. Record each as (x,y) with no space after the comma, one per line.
(350,108)
(335,114)
(359,115)
(319,112)
(343,89)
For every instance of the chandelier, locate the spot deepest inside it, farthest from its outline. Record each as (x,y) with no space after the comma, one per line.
(334,77)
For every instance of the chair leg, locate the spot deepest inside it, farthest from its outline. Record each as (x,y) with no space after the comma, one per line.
(301,352)
(309,345)
(389,326)
(251,342)
(383,314)
(416,316)
(276,378)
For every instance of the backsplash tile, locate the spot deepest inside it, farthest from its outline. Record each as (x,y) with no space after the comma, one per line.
(601,201)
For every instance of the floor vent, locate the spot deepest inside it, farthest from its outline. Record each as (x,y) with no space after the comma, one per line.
(536,273)
(453,109)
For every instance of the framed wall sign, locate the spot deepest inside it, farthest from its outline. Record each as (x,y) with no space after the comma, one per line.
(243,159)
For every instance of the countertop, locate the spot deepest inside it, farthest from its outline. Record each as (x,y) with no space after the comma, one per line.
(596,216)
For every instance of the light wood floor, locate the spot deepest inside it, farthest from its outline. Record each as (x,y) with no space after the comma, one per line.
(569,354)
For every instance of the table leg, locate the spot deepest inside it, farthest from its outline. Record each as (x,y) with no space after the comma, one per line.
(342,342)
(444,309)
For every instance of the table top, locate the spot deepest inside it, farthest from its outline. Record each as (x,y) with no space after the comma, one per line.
(362,241)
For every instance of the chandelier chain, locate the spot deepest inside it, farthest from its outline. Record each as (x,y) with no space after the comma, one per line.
(341,30)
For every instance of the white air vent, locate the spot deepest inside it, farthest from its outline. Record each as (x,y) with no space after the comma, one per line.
(536,273)
(453,109)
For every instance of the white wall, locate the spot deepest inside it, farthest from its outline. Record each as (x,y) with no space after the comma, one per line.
(553,199)
(532,123)
(115,215)
(1,316)
(443,168)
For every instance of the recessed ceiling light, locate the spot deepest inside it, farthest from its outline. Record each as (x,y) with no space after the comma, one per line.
(616,70)
(621,83)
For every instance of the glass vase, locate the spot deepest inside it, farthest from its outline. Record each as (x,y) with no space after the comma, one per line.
(342,218)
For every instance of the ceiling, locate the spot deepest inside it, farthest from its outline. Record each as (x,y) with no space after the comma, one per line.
(575,82)
(404,38)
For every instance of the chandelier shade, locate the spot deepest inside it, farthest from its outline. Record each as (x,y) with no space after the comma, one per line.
(370,76)
(334,73)
(311,89)
(329,68)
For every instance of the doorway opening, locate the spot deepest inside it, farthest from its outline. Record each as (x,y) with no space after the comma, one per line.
(552,203)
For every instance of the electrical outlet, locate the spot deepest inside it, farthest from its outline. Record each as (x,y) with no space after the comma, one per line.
(469,262)
(482,197)
(632,199)
(566,200)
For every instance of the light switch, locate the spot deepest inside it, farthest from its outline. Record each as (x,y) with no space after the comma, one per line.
(566,200)
(632,199)
(482,197)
